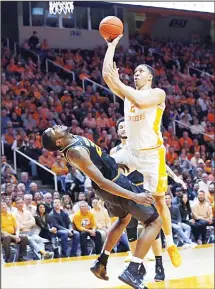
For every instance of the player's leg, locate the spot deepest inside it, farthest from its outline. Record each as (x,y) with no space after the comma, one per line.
(157,250)
(132,237)
(114,233)
(133,275)
(155,180)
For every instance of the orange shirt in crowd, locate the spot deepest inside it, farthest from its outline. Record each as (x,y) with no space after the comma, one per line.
(60,169)
(171,157)
(46,161)
(182,140)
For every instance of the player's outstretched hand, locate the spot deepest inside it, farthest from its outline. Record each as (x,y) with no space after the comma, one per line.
(144,199)
(115,41)
(181,182)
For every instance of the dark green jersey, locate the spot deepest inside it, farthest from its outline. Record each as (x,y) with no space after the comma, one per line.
(101,159)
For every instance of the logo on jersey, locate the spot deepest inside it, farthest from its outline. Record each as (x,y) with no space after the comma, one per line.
(85,222)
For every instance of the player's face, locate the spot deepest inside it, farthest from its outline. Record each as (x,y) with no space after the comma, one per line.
(59,131)
(121,130)
(142,76)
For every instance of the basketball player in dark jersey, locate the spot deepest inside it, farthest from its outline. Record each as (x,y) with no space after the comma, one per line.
(121,198)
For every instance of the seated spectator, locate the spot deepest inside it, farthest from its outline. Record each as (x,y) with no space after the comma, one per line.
(26,224)
(85,223)
(60,220)
(210,195)
(204,183)
(28,199)
(5,165)
(60,168)
(74,181)
(171,156)
(10,208)
(195,159)
(67,204)
(33,188)
(197,129)
(81,198)
(46,159)
(10,234)
(185,138)
(89,121)
(202,214)
(38,198)
(102,218)
(48,201)
(43,221)
(182,229)
(24,179)
(178,195)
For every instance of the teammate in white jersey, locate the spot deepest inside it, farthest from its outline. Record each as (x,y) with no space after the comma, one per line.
(144,150)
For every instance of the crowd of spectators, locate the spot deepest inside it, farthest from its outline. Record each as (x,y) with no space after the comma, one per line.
(33,100)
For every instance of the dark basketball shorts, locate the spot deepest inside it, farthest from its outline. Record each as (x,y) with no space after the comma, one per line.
(120,207)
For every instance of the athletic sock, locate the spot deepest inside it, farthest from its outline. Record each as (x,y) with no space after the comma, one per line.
(135,264)
(103,258)
(169,241)
(158,260)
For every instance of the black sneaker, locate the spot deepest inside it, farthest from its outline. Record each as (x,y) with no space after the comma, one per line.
(99,270)
(133,279)
(159,273)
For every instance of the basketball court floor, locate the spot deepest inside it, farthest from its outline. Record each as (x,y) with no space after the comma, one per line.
(197,271)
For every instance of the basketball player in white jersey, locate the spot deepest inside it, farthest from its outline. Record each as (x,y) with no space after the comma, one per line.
(144,150)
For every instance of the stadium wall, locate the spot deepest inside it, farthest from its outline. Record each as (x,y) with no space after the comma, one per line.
(193,25)
(68,38)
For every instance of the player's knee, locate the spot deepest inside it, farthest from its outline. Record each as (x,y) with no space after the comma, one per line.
(131,234)
(125,220)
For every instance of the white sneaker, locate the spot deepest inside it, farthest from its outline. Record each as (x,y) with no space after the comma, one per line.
(186,246)
(194,245)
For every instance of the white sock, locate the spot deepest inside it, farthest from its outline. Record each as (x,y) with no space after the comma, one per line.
(136,260)
(106,252)
(169,240)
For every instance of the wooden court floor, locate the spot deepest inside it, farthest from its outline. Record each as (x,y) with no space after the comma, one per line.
(197,271)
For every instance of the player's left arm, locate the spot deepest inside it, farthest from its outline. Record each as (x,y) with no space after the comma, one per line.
(175,178)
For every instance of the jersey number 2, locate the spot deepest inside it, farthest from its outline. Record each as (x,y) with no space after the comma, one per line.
(132,108)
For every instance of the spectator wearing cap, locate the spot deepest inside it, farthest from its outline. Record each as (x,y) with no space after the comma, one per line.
(202,214)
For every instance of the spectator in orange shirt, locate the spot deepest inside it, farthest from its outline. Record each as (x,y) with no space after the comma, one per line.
(209,138)
(46,159)
(103,137)
(185,138)
(102,121)
(171,156)
(89,121)
(173,142)
(66,97)
(59,167)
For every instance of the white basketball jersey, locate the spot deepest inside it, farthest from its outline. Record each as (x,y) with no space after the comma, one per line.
(143,126)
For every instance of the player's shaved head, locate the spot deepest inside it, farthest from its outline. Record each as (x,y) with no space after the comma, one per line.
(51,135)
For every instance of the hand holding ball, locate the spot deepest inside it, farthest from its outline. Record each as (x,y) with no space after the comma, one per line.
(110,28)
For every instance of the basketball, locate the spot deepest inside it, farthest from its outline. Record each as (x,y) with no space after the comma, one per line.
(110,27)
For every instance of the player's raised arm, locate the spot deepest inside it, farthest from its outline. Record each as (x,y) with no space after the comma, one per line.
(108,60)
(80,158)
